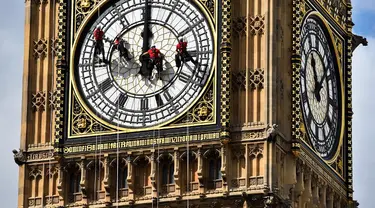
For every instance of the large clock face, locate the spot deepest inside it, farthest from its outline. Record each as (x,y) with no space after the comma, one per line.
(116,90)
(320,89)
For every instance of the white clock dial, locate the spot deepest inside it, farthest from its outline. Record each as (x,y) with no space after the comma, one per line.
(117,91)
(320,89)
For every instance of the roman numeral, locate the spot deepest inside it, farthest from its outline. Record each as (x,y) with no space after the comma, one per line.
(309,118)
(189,29)
(144,104)
(167,96)
(121,100)
(173,9)
(317,45)
(304,97)
(309,41)
(105,85)
(158,99)
(332,103)
(184,77)
(123,20)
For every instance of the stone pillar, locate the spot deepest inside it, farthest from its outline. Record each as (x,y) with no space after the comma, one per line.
(300,185)
(200,169)
(322,194)
(60,187)
(83,181)
(223,169)
(153,174)
(107,178)
(307,193)
(177,171)
(329,198)
(130,178)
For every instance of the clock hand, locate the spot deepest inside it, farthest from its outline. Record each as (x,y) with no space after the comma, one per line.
(317,86)
(323,77)
(147,33)
(146,36)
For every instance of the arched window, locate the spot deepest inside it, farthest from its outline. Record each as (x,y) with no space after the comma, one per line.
(125,177)
(171,172)
(165,174)
(74,182)
(211,168)
(217,169)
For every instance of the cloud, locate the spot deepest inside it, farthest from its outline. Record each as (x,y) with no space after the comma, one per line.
(363,120)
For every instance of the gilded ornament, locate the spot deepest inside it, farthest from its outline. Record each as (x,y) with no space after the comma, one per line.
(81,124)
(84,4)
(203,111)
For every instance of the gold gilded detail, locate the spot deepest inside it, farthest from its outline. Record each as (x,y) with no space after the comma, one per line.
(141,143)
(85,4)
(83,8)
(83,123)
(209,6)
(203,111)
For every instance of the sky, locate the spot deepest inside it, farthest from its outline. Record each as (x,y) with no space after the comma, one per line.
(11,59)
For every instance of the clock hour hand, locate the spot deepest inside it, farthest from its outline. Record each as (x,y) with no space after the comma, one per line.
(317,86)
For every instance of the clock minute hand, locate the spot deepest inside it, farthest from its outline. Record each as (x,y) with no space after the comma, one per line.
(323,77)
(317,86)
(147,34)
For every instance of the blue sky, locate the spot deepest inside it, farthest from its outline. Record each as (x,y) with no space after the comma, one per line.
(11,59)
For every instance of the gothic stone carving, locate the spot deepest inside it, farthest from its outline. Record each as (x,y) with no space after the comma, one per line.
(255,79)
(39,101)
(256,25)
(40,48)
(239,25)
(19,157)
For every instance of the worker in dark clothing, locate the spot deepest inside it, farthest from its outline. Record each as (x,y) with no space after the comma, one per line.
(120,46)
(99,45)
(156,58)
(182,55)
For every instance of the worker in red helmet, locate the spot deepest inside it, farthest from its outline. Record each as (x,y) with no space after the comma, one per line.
(181,53)
(119,44)
(99,45)
(155,58)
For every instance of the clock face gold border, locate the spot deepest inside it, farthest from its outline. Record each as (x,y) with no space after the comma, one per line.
(73,87)
(330,38)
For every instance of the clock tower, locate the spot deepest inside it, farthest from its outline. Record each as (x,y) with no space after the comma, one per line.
(187,103)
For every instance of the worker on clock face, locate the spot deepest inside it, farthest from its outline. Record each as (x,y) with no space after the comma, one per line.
(120,46)
(181,53)
(156,58)
(99,45)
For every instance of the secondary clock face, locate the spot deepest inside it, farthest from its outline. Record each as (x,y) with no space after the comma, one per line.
(320,89)
(116,89)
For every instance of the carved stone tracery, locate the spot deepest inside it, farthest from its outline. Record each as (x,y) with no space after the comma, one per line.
(239,25)
(39,101)
(255,79)
(256,25)
(40,48)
